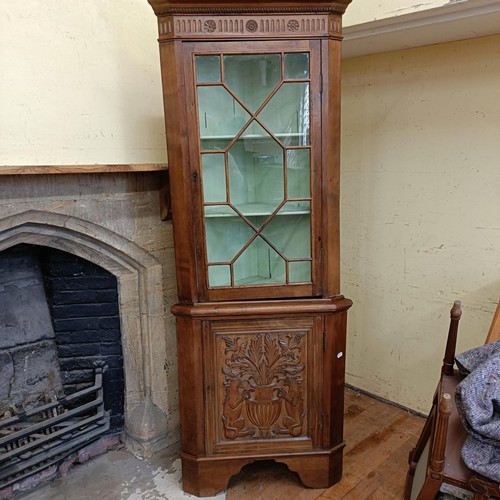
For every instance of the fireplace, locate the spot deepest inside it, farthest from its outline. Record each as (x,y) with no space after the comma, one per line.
(109,223)
(61,321)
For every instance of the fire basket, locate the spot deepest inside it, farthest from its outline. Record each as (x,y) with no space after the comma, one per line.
(36,439)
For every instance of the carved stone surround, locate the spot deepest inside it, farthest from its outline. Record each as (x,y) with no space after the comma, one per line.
(114,222)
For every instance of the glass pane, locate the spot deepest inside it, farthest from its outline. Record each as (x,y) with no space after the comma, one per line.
(207,69)
(252,77)
(256,171)
(243,167)
(290,230)
(214,177)
(300,272)
(287,114)
(221,117)
(219,276)
(297,66)
(298,168)
(225,237)
(259,264)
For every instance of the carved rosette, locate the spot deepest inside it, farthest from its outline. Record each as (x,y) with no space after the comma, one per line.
(210,25)
(252,25)
(263,386)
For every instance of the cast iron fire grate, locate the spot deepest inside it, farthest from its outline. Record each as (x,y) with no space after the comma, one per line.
(35,439)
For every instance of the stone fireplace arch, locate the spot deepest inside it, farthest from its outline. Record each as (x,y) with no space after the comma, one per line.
(140,292)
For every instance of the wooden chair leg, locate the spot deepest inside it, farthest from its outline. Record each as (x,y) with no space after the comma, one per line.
(429,490)
(416,454)
(437,460)
(437,453)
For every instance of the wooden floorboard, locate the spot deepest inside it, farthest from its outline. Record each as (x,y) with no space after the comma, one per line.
(378,438)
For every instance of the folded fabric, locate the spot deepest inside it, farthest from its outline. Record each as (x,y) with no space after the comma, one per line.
(471,359)
(478,403)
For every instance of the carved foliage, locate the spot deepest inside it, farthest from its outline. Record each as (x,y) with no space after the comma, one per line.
(264,394)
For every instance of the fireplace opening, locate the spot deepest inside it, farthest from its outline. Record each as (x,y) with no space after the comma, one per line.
(150,419)
(59,320)
(61,360)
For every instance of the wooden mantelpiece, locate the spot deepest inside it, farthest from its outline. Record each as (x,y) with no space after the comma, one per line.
(81,169)
(161,168)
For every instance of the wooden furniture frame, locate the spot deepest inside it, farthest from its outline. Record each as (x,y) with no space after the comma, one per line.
(261,365)
(436,459)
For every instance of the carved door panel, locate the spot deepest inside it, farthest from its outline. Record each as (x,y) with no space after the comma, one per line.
(263,384)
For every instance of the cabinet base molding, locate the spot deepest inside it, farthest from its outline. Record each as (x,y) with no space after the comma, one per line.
(208,476)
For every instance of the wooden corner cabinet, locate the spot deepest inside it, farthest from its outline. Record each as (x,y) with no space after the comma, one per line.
(251,94)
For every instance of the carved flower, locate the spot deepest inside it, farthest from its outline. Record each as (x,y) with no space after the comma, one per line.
(210,26)
(293,25)
(252,26)
(265,360)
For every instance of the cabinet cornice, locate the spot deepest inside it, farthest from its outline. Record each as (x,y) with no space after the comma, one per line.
(174,7)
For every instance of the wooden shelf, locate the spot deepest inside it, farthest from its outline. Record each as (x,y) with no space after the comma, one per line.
(254,210)
(81,169)
(255,137)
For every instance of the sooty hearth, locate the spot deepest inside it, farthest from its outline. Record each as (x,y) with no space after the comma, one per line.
(59,318)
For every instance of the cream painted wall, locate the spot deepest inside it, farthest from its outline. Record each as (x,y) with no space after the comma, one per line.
(420,209)
(79,83)
(363,11)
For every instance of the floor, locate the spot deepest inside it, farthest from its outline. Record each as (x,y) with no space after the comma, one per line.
(379,437)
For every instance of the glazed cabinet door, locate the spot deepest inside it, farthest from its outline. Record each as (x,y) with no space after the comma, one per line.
(263,385)
(256,152)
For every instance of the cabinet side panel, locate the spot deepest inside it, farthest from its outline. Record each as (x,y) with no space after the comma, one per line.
(316,382)
(334,362)
(176,125)
(191,398)
(331,166)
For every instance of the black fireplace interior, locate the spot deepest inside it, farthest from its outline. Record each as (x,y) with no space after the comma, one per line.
(57,355)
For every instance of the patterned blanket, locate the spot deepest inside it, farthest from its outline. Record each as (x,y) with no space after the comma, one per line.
(478,403)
